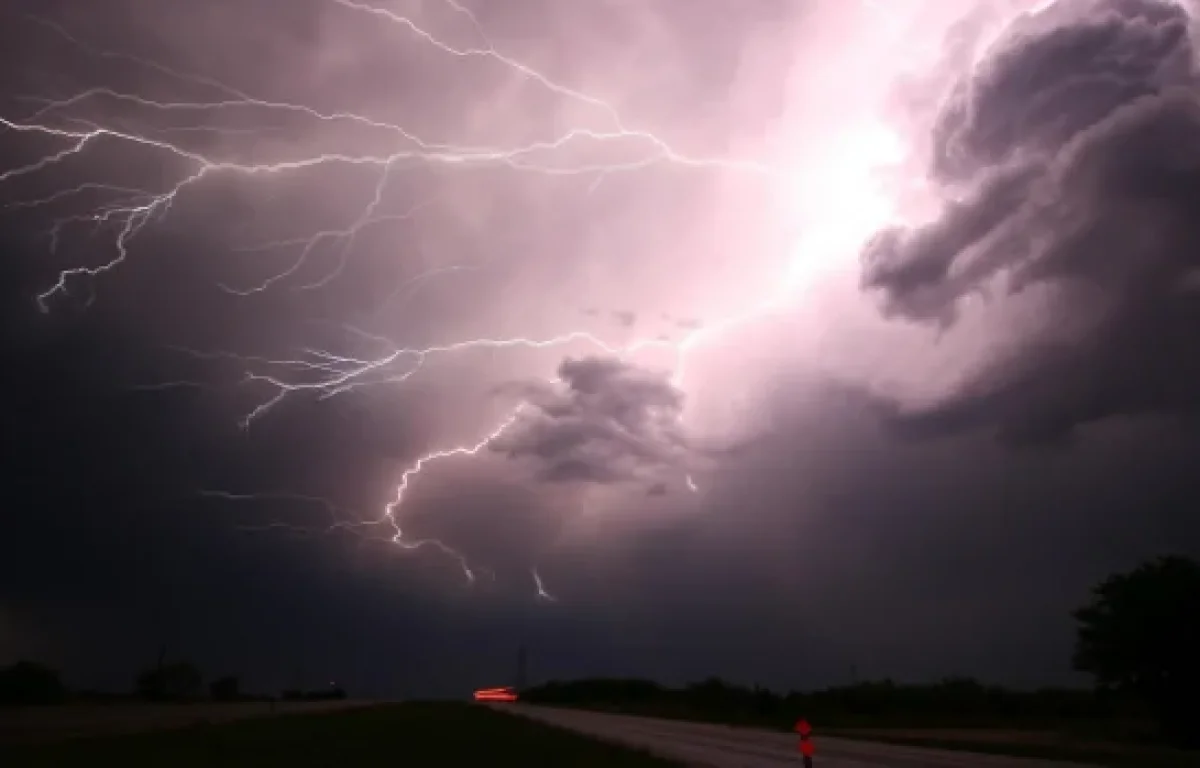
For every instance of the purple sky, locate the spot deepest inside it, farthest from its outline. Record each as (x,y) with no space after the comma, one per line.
(745,337)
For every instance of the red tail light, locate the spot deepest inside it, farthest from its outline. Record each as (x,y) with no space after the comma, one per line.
(496,694)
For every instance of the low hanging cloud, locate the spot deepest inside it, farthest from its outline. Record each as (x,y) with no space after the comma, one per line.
(602,421)
(1069,163)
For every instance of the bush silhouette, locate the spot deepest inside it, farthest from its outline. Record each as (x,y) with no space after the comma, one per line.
(28,682)
(225,689)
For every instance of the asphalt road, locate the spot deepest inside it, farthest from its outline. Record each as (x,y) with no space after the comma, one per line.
(41,724)
(721,746)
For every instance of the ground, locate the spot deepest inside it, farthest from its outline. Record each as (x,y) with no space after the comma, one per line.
(1101,743)
(1047,744)
(411,734)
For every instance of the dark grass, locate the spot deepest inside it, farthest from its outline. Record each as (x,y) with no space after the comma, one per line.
(424,734)
(1110,756)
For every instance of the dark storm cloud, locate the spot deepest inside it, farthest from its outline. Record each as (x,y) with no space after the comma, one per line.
(108,550)
(1057,74)
(1071,164)
(818,538)
(844,550)
(603,421)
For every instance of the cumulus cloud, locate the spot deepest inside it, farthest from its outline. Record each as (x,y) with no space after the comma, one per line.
(1068,163)
(602,421)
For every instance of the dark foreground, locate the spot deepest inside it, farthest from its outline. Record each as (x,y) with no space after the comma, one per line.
(426,734)
(38,725)
(723,746)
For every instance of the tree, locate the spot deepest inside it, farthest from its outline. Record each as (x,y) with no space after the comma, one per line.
(1140,634)
(28,682)
(225,689)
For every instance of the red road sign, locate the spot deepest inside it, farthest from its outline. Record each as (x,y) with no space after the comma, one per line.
(802,727)
(806,748)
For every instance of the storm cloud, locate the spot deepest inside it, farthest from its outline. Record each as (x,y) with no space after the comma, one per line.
(702,358)
(1068,163)
(603,421)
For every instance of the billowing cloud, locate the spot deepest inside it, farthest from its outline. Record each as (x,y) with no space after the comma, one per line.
(729,261)
(602,421)
(1068,162)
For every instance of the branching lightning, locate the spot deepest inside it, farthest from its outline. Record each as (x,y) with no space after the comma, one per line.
(323,373)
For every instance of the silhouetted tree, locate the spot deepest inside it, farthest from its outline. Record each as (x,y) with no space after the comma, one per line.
(953,702)
(28,682)
(1141,633)
(170,682)
(225,689)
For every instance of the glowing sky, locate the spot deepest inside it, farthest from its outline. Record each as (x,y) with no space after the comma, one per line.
(535,285)
(821,182)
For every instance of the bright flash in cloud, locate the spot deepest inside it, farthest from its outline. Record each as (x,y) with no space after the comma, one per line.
(833,194)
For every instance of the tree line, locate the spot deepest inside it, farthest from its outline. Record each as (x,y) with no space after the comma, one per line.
(961,702)
(1138,636)
(29,683)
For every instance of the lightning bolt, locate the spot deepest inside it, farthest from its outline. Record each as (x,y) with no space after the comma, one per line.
(542,594)
(127,211)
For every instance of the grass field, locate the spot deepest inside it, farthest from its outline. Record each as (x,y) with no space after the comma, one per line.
(426,734)
(1049,745)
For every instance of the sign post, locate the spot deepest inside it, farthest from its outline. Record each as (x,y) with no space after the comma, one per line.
(806,744)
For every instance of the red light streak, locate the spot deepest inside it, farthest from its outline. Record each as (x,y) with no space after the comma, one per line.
(496,694)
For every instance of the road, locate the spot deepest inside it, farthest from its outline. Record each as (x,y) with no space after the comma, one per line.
(40,724)
(722,746)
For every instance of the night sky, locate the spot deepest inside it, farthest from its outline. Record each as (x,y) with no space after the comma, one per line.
(789,341)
